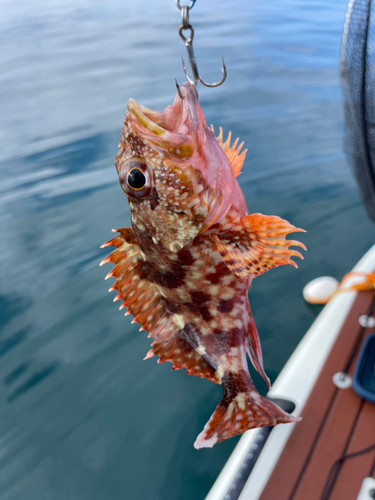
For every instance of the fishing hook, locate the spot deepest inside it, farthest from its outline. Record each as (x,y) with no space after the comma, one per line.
(192,3)
(178,90)
(190,51)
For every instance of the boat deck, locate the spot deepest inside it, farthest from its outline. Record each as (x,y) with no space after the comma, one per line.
(336,422)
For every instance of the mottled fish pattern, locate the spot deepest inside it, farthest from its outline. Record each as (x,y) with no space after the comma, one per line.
(184,268)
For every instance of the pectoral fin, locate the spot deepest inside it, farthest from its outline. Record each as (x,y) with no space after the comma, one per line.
(258,244)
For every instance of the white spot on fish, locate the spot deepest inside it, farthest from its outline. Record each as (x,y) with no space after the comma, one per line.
(214,289)
(201,350)
(228,294)
(220,372)
(256,397)
(179,320)
(196,276)
(240,400)
(229,411)
(175,246)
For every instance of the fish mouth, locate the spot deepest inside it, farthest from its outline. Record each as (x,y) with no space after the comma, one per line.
(146,117)
(173,130)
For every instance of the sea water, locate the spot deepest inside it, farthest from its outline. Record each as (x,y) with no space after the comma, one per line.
(82,417)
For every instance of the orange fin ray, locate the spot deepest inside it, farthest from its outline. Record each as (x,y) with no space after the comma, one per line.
(281,243)
(256,246)
(233,153)
(149,308)
(182,355)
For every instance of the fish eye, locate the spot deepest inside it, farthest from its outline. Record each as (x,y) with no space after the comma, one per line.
(136,179)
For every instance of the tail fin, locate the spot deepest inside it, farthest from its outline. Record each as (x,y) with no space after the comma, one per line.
(241,408)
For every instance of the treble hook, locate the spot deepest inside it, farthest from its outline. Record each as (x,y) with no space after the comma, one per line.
(190,52)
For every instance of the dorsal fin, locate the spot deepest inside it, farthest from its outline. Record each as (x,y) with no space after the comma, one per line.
(234,156)
(149,307)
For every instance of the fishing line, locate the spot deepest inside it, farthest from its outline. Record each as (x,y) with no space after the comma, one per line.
(185,9)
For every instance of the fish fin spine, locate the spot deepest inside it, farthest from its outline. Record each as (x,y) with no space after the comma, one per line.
(172,347)
(233,153)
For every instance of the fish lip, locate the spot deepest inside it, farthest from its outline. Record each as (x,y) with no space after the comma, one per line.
(148,125)
(140,113)
(160,123)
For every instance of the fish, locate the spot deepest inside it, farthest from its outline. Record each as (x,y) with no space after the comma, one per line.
(184,268)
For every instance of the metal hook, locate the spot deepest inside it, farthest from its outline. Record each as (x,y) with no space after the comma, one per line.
(192,3)
(192,61)
(178,90)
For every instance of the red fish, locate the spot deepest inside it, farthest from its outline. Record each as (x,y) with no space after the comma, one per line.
(185,266)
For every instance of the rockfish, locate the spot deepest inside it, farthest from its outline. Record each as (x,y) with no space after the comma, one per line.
(185,266)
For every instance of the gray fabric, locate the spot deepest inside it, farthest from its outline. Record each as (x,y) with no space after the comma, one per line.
(358,85)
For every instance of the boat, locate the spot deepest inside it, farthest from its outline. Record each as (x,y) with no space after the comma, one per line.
(330,378)
(304,460)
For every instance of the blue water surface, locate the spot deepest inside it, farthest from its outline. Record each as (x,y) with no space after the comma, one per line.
(82,417)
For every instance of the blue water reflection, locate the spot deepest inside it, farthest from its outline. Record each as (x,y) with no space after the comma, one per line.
(82,416)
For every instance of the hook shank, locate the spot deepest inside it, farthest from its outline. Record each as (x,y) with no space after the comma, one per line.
(191,56)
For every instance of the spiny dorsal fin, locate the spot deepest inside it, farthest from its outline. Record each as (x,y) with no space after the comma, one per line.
(234,156)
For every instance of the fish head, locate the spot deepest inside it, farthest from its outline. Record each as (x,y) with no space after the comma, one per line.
(177,178)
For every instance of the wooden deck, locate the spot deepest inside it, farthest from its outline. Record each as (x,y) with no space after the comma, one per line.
(335,422)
